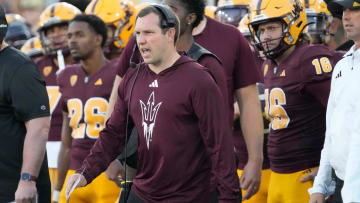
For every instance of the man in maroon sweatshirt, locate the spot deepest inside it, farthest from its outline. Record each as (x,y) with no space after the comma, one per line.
(179,112)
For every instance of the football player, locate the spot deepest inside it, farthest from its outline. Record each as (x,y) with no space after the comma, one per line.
(297,84)
(85,89)
(319,19)
(232,11)
(119,16)
(18,30)
(52,30)
(33,48)
(240,146)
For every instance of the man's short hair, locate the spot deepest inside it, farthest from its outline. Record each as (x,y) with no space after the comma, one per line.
(151,9)
(80,4)
(197,7)
(95,24)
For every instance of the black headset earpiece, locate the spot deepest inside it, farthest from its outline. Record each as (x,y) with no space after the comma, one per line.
(169,17)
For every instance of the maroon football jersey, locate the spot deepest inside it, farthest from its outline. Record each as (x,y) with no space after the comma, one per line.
(85,98)
(48,71)
(181,135)
(296,94)
(239,141)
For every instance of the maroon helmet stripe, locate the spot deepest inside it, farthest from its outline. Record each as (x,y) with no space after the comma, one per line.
(93,8)
(52,11)
(258,7)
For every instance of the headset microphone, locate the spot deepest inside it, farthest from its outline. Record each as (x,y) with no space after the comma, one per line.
(132,63)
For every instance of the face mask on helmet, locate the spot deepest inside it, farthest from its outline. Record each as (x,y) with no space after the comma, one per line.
(231,14)
(319,20)
(290,13)
(17,34)
(18,30)
(53,27)
(317,26)
(267,46)
(54,38)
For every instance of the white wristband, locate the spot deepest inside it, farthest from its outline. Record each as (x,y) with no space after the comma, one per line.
(56,196)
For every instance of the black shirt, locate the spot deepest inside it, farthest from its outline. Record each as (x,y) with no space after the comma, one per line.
(22,97)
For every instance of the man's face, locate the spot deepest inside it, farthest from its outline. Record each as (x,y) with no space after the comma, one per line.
(351,24)
(179,9)
(81,40)
(270,34)
(56,37)
(151,42)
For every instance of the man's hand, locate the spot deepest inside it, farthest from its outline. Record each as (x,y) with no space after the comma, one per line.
(72,180)
(310,176)
(317,198)
(26,192)
(113,171)
(250,179)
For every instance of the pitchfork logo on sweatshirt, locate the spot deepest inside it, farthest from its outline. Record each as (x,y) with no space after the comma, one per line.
(149,112)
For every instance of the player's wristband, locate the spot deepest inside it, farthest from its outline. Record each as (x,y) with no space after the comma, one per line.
(56,196)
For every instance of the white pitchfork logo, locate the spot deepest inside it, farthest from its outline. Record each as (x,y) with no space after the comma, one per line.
(149,113)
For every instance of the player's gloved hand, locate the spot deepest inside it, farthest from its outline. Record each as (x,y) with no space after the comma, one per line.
(310,175)
(113,171)
(250,178)
(26,192)
(317,198)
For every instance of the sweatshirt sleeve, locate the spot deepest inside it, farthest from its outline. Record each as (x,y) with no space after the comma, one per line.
(323,182)
(210,110)
(352,179)
(110,142)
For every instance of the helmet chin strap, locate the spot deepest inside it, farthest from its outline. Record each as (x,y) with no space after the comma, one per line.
(277,51)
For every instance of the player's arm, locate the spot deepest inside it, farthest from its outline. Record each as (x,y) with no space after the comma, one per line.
(113,96)
(209,108)
(253,130)
(64,153)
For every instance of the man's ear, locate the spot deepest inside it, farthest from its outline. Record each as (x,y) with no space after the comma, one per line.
(98,40)
(171,34)
(190,18)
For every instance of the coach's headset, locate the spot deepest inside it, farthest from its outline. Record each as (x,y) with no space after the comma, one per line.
(168,21)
